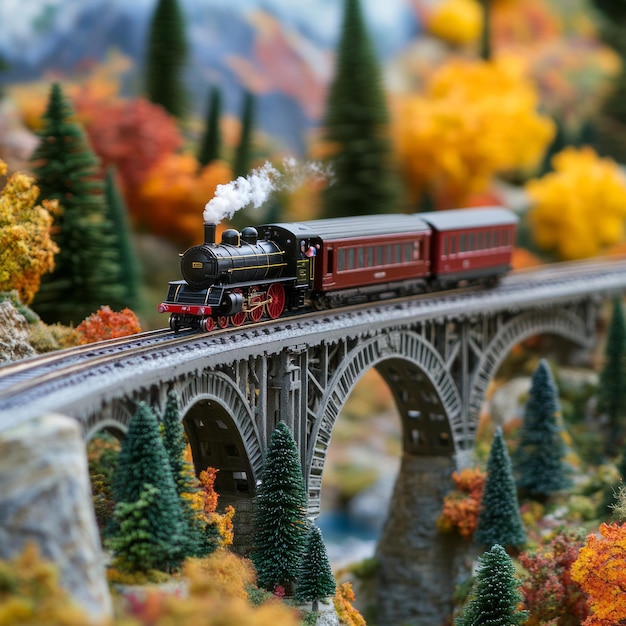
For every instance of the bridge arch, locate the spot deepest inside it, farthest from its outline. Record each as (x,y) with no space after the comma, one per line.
(221,430)
(115,421)
(559,322)
(424,391)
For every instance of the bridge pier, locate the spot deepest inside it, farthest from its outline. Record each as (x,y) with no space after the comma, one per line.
(419,566)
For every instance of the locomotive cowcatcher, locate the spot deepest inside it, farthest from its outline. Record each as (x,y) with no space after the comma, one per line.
(335,262)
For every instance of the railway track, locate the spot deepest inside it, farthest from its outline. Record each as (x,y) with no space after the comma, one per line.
(33,376)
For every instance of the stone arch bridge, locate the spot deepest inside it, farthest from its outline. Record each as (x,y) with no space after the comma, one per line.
(437,355)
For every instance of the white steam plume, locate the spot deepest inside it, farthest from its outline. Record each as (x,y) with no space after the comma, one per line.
(257,187)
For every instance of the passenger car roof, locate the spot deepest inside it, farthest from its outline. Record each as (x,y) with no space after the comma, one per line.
(354,227)
(469,218)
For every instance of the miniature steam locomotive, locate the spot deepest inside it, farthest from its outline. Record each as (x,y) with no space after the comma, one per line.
(335,262)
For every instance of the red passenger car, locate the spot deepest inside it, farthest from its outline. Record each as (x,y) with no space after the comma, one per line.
(469,245)
(356,255)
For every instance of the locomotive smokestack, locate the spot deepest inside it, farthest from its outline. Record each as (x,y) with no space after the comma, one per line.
(209,232)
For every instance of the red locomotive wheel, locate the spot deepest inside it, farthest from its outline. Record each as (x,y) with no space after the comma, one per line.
(276,300)
(207,324)
(238,319)
(222,321)
(256,311)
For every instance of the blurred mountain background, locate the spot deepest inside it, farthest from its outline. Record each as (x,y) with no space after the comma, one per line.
(280,50)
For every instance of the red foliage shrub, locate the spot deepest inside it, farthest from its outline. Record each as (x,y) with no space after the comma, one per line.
(132,135)
(108,324)
(461,506)
(548,591)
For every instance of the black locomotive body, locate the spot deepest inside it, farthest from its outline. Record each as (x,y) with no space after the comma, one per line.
(334,262)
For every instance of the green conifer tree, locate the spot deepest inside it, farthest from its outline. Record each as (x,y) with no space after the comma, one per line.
(538,459)
(129,263)
(244,147)
(499,519)
(315,577)
(495,598)
(280,520)
(611,386)
(211,143)
(136,546)
(87,267)
(356,125)
(143,461)
(165,58)
(175,443)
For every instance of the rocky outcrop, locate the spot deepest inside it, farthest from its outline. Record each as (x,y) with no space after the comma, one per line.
(13,334)
(45,497)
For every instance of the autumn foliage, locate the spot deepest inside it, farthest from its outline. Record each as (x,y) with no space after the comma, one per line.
(108,324)
(548,591)
(343,600)
(132,135)
(173,194)
(461,506)
(599,570)
(579,209)
(222,521)
(475,119)
(30,593)
(26,248)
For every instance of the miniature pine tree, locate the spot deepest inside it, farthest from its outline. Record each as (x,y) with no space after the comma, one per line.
(280,522)
(185,479)
(496,597)
(130,272)
(87,267)
(538,459)
(611,387)
(355,125)
(212,139)
(244,148)
(315,578)
(499,519)
(136,546)
(165,57)
(143,461)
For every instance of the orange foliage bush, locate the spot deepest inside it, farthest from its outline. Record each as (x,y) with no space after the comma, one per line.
(173,196)
(217,596)
(108,324)
(522,259)
(348,615)
(599,570)
(461,506)
(223,521)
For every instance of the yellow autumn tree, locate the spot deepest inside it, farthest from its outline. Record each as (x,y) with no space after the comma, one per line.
(474,119)
(26,248)
(456,21)
(579,209)
(599,570)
